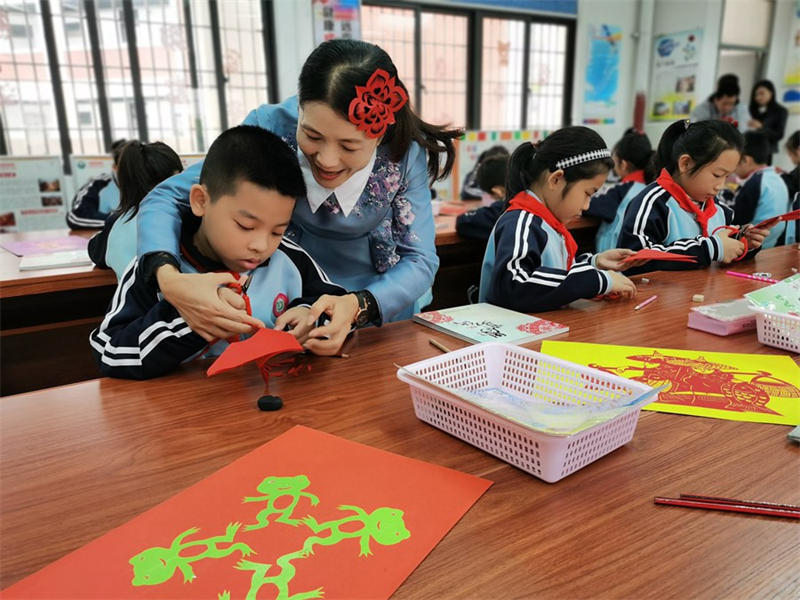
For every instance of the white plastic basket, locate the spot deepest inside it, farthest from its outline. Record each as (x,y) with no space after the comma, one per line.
(518,370)
(778,330)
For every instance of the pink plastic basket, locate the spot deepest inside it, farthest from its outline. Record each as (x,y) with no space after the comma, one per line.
(519,370)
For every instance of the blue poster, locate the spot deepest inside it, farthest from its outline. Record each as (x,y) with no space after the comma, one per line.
(602,74)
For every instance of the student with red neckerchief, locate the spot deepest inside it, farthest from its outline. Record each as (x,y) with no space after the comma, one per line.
(530,264)
(679,212)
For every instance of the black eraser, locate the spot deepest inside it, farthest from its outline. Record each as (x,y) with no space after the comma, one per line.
(270,402)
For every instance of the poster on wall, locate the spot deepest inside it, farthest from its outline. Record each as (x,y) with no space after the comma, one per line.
(86,167)
(336,19)
(31,193)
(602,75)
(676,61)
(791,80)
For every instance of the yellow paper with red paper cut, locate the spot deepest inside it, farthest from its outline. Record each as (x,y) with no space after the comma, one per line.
(760,388)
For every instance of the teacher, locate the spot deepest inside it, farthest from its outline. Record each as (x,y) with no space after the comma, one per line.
(366,159)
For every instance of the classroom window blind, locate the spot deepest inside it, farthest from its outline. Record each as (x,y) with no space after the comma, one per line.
(27,106)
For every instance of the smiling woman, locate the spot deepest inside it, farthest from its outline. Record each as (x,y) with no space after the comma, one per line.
(367,161)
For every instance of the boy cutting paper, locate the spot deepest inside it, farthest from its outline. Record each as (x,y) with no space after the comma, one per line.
(240,209)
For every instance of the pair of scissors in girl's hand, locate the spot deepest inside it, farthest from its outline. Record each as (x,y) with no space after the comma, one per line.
(737,233)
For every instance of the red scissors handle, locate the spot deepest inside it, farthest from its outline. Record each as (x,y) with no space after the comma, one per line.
(738,234)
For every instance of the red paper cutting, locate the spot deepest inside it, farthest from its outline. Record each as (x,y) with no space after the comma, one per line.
(650,254)
(307,515)
(261,346)
(790,216)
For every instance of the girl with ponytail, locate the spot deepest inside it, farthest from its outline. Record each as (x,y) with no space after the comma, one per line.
(139,168)
(679,211)
(530,263)
(367,162)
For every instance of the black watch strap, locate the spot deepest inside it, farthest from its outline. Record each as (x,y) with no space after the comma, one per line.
(368,312)
(151,263)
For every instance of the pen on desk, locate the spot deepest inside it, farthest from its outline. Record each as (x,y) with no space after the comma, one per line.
(439,345)
(748,276)
(645,303)
(719,499)
(731,505)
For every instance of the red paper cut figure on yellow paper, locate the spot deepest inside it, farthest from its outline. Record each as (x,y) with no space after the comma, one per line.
(699,382)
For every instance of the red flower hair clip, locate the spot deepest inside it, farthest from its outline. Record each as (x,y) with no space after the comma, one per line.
(373,108)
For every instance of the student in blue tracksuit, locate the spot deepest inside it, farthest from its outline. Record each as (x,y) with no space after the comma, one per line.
(367,218)
(679,212)
(763,193)
(97,197)
(530,263)
(631,155)
(140,168)
(240,209)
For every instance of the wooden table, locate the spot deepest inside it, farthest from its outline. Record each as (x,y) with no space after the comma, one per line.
(46,318)
(79,460)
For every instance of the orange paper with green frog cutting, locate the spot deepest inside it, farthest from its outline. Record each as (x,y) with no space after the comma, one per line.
(760,388)
(307,515)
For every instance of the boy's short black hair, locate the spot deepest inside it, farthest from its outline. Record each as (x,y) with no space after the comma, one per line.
(756,146)
(247,153)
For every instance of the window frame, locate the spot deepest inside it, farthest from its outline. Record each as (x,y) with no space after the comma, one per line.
(475,18)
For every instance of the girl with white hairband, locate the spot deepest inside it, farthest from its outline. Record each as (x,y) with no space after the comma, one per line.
(530,262)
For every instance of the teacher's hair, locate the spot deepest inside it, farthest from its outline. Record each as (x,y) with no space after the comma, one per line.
(331,74)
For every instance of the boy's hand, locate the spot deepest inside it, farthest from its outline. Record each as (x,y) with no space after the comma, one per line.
(612,260)
(226,294)
(731,248)
(342,311)
(622,285)
(296,319)
(755,237)
(196,298)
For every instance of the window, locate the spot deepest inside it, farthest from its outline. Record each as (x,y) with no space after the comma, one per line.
(243,60)
(744,41)
(516,76)
(27,107)
(444,68)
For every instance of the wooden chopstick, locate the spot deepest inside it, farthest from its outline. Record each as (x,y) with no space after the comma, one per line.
(730,507)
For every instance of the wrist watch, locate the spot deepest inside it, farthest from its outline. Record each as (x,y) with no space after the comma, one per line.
(362,316)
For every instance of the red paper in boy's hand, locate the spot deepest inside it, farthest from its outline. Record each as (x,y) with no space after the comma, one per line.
(265,344)
(790,216)
(650,254)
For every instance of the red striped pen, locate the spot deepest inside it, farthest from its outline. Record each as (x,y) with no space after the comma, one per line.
(732,505)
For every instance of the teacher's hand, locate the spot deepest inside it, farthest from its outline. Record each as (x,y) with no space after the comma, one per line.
(328,339)
(195,297)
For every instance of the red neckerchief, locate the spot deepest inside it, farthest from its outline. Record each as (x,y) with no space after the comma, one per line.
(530,203)
(666,181)
(637,176)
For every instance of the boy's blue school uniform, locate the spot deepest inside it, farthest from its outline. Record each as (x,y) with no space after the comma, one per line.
(610,207)
(93,203)
(525,266)
(655,219)
(762,195)
(143,336)
(384,245)
(114,247)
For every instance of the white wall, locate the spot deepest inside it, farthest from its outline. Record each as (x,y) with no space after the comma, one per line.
(294,40)
(624,14)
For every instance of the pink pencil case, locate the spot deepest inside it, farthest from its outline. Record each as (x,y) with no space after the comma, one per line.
(723,318)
